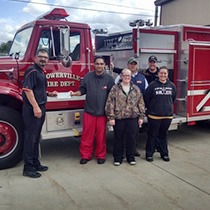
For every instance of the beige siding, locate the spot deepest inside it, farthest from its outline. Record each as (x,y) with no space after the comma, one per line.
(186,11)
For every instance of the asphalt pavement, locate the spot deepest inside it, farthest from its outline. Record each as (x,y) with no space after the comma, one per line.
(181,184)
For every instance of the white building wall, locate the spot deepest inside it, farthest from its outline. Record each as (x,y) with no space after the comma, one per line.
(186,11)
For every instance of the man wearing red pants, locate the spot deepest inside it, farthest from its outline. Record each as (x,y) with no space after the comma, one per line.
(96,85)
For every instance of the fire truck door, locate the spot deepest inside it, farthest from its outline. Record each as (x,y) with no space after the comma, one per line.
(198,94)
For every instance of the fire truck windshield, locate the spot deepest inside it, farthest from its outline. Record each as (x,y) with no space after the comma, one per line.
(20,42)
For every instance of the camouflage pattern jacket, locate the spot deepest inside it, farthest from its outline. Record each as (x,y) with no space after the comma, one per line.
(120,105)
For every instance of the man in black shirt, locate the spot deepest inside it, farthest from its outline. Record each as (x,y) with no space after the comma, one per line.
(151,72)
(34,97)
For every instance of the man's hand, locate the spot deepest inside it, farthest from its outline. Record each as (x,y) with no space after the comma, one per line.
(52,94)
(77,93)
(37,111)
(111,66)
(71,93)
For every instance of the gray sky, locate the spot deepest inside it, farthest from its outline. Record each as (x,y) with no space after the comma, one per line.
(15,13)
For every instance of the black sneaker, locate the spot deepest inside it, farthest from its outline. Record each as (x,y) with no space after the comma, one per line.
(31,174)
(149,159)
(41,168)
(83,161)
(101,161)
(165,158)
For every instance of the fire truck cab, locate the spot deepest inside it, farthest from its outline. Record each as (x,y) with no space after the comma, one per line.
(184,49)
(70,58)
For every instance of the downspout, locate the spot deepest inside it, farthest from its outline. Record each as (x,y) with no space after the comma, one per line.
(156,16)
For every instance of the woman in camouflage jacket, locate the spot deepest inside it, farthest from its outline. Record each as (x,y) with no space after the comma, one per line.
(125,112)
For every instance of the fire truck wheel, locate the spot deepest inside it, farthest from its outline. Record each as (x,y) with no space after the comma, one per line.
(11,137)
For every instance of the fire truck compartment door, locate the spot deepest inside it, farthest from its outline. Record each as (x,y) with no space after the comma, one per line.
(198,93)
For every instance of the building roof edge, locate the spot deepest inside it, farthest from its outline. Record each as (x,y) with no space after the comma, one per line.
(161,2)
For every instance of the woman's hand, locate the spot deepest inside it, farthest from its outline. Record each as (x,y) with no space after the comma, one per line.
(140,122)
(112,122)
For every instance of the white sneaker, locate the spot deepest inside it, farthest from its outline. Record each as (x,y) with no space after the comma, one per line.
(117,163)
(132,163)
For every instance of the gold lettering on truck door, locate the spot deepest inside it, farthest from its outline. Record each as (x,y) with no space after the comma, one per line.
(52,84)
(67,83)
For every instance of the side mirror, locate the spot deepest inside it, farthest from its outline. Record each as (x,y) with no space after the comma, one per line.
(65,46)
(65,41)
(66,61)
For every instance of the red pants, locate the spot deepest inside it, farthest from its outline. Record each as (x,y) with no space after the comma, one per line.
(94,128)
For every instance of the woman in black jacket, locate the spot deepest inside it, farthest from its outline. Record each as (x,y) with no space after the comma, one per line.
(159,99)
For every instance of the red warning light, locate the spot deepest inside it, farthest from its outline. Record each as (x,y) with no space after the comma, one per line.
(55,14)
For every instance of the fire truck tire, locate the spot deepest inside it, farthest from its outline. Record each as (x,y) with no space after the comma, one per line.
(11,137)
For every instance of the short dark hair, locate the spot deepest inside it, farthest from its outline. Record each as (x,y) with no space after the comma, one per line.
(99,57)
(42,50)
(163,67)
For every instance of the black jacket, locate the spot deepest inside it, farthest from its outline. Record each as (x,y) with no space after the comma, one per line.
(96,88)
(159,98)
(149,75)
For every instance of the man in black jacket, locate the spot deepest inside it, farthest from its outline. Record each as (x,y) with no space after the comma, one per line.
(151,72)
(96,85)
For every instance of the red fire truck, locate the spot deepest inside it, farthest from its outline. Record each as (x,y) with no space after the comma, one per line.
(71,57)
(185,49)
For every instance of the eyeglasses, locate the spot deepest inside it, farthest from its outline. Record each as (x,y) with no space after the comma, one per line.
(133,63)
(99,64)
(42,57)
(126,75)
